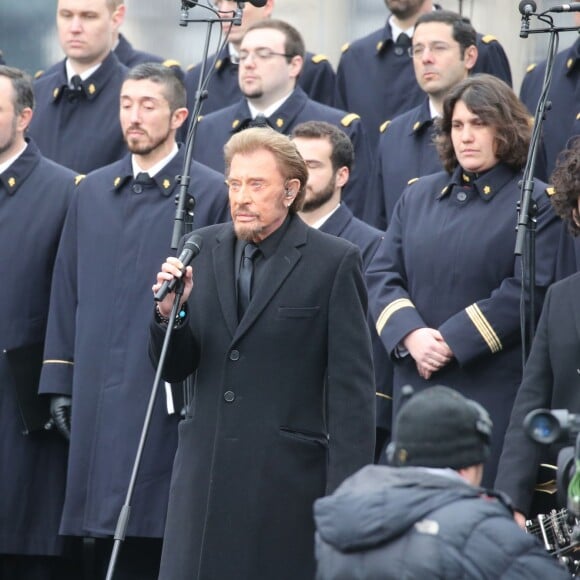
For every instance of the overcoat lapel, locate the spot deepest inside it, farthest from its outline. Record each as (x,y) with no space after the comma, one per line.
(223,267)
(279,268)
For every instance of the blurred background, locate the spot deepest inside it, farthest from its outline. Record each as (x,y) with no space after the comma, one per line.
(28,36)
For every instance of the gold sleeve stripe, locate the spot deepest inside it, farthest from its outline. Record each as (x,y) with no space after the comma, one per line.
(383,396)
(484,327)
(57,362)
(390,310)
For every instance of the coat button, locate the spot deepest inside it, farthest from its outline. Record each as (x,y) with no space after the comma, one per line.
(137,188)
(462,196)
(235,355)
(229,396)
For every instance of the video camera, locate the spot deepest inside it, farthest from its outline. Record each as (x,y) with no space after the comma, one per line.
(560,529)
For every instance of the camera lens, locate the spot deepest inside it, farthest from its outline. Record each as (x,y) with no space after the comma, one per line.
(542,426)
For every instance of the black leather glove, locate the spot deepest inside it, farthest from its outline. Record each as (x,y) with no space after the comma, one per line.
(60,409)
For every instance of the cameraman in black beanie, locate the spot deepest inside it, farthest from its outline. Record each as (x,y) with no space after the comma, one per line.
(425,515)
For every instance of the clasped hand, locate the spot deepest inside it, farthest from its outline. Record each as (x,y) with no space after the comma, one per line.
(428,349)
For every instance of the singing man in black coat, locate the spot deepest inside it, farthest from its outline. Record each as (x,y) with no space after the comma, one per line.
(118,230)
(284,392)
(551,377)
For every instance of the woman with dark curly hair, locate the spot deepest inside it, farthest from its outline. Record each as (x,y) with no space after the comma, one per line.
(445,284)
(566,182)
(552,375)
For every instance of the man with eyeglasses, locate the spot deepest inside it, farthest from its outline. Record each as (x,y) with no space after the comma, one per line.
(375,74)
(271,60)
(444,52)
(316,79)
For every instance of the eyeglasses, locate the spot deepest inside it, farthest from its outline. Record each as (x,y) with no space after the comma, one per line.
(261,54)
(435,48)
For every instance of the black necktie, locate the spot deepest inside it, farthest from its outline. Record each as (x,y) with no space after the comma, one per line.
(245,277)
(403,44)
(141,181)
(259,121)
(77,90)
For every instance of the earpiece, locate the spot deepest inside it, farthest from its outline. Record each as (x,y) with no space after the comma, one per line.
(288,193)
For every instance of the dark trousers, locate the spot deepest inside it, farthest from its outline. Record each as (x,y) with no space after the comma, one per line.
(138,559)
(38,568)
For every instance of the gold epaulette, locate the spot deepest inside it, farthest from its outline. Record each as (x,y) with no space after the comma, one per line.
(347,120)
(384,126)
(318,58)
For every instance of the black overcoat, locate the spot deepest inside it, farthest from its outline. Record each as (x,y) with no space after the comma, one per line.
(283,412)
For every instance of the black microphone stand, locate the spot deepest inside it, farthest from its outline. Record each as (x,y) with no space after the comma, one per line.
(527,208)
(123,521)
(183,221)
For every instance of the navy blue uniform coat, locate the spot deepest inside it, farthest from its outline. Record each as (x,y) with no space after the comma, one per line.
(34,196)
(406,151)
(563,119)
(215,129)
(551,381)
(447,262)
(83,133)
(283,411)
(113,242)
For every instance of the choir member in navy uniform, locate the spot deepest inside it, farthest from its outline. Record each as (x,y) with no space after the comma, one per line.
(316,79)
(34,196)
(375,74)
(443,52)
(271,59)
(284,390)
(329,156)
(562,121)
(551,378)
(76,121)
(445,285)
(117,231)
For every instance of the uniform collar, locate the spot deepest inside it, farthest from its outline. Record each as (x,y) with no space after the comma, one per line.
(421,120)
(93,85)
(225,59)
(279,120)
(124,49)
(16,174)
(487,185)
(385,39)
(165,179)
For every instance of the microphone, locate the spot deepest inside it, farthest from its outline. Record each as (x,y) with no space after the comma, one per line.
(190,250)
(527,7)
(572,7)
